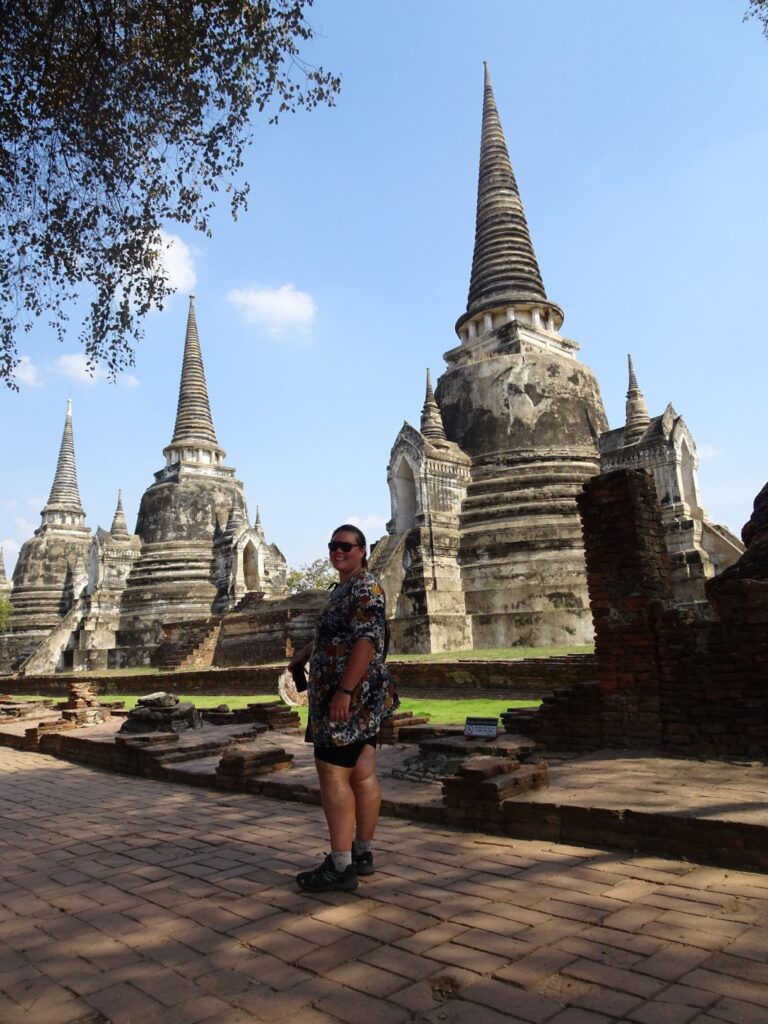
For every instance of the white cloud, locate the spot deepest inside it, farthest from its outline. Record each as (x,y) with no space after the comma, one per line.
(27,373)
(283,312)
(74,366)
(177,258)
(372,526)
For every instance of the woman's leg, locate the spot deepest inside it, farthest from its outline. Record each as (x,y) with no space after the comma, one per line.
(338,799)
(364,784)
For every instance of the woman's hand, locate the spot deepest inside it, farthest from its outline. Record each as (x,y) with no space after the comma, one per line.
(339,710)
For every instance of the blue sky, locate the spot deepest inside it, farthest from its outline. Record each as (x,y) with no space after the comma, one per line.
(639,139)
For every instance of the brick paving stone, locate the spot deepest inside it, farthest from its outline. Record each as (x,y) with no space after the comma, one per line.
(531,971)
(223,981)
(276,1006)
(457,1011)
(462,956)
(662,1013)
(551,931)
(631,889)
(122,1003)
(608,1001)
(631,919)
(493,942)
(672,962)
(119,903)
(354,1007)
(411,920)
(324,958)
(284,946)
(565,990)
(686,995)
(579,1015)
(490,922)
(400,961)
(167,987)
(599,952)
(574,911)
(311,930)
(736,1011)
(706,934)
(418,998)
(722,984)
(752,945)
(426,938)
(529,1006)
(614,977)
(644,944)
(738,967)
(365,977)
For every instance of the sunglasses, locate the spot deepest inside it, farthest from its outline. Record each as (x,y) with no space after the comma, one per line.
(341,545)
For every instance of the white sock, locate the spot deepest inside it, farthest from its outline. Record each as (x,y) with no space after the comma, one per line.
(362,845)
(341,860)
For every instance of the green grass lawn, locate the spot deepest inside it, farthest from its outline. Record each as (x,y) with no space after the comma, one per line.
(496,654)
(441,712)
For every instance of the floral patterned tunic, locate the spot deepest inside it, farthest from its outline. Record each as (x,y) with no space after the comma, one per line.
(355,611)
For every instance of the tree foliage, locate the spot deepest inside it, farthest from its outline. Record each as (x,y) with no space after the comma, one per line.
(5,612)
(116,118)
(317,575)
(758,9)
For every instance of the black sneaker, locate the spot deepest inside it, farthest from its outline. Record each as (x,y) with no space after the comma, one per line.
(363,862)
(327,879)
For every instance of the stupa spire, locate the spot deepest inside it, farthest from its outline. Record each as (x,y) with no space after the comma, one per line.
(63,506)
(637,418)
(257,524)
(3,577)
(504,266)
(236,518)
(431,419)
(194,424)
(119,528)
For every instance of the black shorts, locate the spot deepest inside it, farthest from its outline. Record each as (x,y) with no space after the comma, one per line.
(345,757)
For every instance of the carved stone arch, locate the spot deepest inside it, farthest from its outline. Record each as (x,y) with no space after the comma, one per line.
(251,572)
(404,495)
(688,478)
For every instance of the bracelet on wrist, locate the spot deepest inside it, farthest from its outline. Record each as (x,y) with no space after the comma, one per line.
(343,689)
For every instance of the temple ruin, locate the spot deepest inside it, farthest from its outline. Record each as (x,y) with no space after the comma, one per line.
(484,546)
(102,601)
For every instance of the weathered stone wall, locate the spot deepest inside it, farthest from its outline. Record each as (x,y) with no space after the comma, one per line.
(687,686)
(527,677)
(629,585)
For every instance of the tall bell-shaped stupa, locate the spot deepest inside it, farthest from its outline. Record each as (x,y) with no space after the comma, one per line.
(517,400)
(181,575)
(51,570)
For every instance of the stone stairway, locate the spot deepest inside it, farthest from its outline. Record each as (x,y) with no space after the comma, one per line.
(191,647)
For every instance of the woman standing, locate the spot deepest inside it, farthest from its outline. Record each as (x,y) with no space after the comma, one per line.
(350,691)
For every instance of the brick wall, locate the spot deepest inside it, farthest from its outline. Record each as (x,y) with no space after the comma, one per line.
(691,684)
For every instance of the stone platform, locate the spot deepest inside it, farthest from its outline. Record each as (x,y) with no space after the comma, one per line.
(709,811)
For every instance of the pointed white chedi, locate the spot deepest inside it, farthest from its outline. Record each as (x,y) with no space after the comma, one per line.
(193,526)
(50,571)
(524,415)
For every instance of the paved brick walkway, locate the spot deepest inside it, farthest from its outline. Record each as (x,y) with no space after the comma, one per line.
(125,900)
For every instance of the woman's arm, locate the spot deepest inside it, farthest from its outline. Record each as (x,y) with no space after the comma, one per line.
(302,657)
(358,661)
